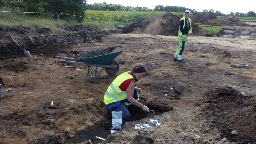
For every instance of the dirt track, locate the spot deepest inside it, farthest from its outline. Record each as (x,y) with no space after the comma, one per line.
(216,97)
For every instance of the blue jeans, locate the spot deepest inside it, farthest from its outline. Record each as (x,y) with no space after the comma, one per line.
(120,106)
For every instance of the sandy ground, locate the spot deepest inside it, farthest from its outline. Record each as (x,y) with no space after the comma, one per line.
(76,113)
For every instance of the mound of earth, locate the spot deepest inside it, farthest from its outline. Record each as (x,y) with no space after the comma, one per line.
(211,19)
(230,20)
(168,24)
(234,114)
(226,20)
(203,17)
(44,41)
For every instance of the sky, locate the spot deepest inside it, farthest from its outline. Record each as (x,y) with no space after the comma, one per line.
(224,6)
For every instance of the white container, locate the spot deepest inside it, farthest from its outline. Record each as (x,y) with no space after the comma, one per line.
(116,120)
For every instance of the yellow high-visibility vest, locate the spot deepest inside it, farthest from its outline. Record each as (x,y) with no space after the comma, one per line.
(190,23)
(114,93)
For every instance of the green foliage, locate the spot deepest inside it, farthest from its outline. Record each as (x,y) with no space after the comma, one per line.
(211,29)
(113,7)
(172,8)
(117,7)
(111,19)
(4,3)
(120,16)
(65,9)
(251,14)
(9,19)
(247,19)
(32,5)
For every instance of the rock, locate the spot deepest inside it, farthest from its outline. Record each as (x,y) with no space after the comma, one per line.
(234,132)
(224,140)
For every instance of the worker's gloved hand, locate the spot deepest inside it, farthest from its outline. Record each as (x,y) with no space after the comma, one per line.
(145,108)
(138,90)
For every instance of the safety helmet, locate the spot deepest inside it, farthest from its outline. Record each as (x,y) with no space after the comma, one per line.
(187,11)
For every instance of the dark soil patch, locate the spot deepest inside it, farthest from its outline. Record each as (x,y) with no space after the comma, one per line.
(203,17)
(44,41)
(142,140)
(102,128)
(157,109)
(232,113)
(16,66)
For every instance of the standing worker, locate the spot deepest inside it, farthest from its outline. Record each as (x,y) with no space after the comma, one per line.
(184,29)
(122,89)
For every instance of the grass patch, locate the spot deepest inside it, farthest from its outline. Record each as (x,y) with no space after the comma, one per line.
(33,22)
(242,19)
(211,29)
(247,19)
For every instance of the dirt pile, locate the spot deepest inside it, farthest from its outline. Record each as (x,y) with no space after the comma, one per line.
(226,20)
(233,114)
(211,19)
(230,20)
(44,41)
(203,17)
(167,24)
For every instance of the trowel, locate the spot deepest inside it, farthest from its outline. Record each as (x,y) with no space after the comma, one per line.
(27,53)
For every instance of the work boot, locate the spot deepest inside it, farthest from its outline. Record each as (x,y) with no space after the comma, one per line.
(179,58)
(176,55)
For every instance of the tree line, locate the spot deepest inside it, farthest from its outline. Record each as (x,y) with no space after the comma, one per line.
(74,9)
(118,7)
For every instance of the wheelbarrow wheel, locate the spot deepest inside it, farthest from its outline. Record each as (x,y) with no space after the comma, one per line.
(112,71)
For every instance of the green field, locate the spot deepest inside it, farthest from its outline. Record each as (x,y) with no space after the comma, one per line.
(111,19)
(247,19)
(243,19)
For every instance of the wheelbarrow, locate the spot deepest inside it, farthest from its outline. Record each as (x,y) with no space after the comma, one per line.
(104,58)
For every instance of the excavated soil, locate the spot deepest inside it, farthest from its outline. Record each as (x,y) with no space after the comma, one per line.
(167,24)
(208,99)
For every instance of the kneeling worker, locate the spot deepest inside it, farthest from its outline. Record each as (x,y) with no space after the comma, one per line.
(122,89)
